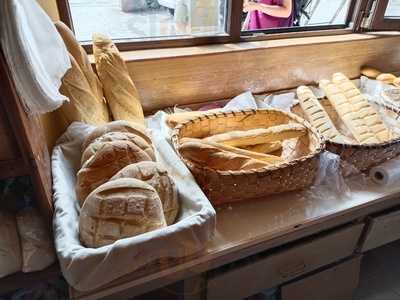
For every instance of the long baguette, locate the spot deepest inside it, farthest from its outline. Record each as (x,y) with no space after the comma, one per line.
(351,119)
(270,159)
(264,148)
(362,107)
(258,136)
(205,155)
(317,116)
(174,119)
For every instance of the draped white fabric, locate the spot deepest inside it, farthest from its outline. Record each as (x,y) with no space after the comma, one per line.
(35,53)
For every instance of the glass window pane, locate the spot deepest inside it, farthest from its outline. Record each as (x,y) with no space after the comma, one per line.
(143,19)
(272,14)
(393,9)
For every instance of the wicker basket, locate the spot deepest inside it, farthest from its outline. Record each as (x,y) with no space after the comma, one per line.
(359,157)
(231,186)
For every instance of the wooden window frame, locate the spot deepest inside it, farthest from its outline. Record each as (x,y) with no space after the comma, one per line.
(378,20)
(233,29)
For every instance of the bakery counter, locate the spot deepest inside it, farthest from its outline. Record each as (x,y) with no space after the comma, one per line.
(251,228)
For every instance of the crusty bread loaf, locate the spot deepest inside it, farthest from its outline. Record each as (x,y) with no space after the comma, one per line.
(110,158)
(386,78)
(81,58)
(119,89)
(117,136)
(370,72)
(269,159)
(116,126)
(264,148)
(396,82)
(317,116)
(173,120)
(258,136)
(202,154)
(119,209)
(155,175)
(362,107)
(351,119)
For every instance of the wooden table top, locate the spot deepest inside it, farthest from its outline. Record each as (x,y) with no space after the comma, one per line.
(250,227)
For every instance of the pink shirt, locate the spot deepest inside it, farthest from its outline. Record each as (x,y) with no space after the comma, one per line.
(259,20)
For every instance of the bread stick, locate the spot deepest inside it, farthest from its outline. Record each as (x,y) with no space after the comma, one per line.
(317,116)
(264,148)
(258,136)
(362,107)
(351,119)
(174,119)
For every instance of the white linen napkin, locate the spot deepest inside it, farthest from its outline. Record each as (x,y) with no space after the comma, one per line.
(35,54)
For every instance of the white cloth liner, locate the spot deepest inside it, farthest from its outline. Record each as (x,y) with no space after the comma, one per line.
(87,269)
(35,53)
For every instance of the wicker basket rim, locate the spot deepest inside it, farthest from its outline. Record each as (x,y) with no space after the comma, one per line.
(316,152)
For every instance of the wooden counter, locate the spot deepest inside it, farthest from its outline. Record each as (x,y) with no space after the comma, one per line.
(248,228)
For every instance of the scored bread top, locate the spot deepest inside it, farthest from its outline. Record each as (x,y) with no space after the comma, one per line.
(117,126)
(117,136)
(155,175)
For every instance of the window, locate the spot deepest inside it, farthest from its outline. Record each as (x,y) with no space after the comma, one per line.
(137,24)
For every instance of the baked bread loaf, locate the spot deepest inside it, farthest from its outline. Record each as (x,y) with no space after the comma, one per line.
(117,136)
(81,58)
(119,89)
(352,119)
(264,148)
(269,159)
(362,107)
(116,126)
(119,209)
(174,119)
(258,136)
(110,158)
(205,155)
(370,72)
(317,116)
(396,82)
(83,105)
(386,78)
(153,174)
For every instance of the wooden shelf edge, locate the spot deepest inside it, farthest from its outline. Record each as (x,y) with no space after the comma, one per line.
(27,280)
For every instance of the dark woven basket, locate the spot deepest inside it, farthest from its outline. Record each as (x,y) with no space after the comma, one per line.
(231,186)
(360,157)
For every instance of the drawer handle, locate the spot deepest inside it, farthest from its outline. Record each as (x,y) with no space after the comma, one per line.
(292,270)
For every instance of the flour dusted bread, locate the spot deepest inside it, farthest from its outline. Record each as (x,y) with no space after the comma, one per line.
(119,89)
(258,136)
(110,158)
(205,155)
(317,116)
(119,209)
(362,107)
(352,119)
(155,175)
(117,126)
(117,136)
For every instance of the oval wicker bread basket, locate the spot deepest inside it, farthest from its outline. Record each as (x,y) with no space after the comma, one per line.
(230,186)
(359,157)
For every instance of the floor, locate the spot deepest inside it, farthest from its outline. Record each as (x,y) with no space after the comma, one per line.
(380,274)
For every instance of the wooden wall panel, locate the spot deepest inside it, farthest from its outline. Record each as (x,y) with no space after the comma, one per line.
(211,75)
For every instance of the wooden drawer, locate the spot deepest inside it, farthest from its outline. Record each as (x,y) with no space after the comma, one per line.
(319,286)
(251,278)
(382,230)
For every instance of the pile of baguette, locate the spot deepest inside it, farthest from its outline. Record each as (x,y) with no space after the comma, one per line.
(361,119)
(122,190)
(244,149)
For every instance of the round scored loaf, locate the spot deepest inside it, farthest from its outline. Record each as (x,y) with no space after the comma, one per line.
(155,175)
(117,126)
(119,209)
(110,158)
(117,136)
